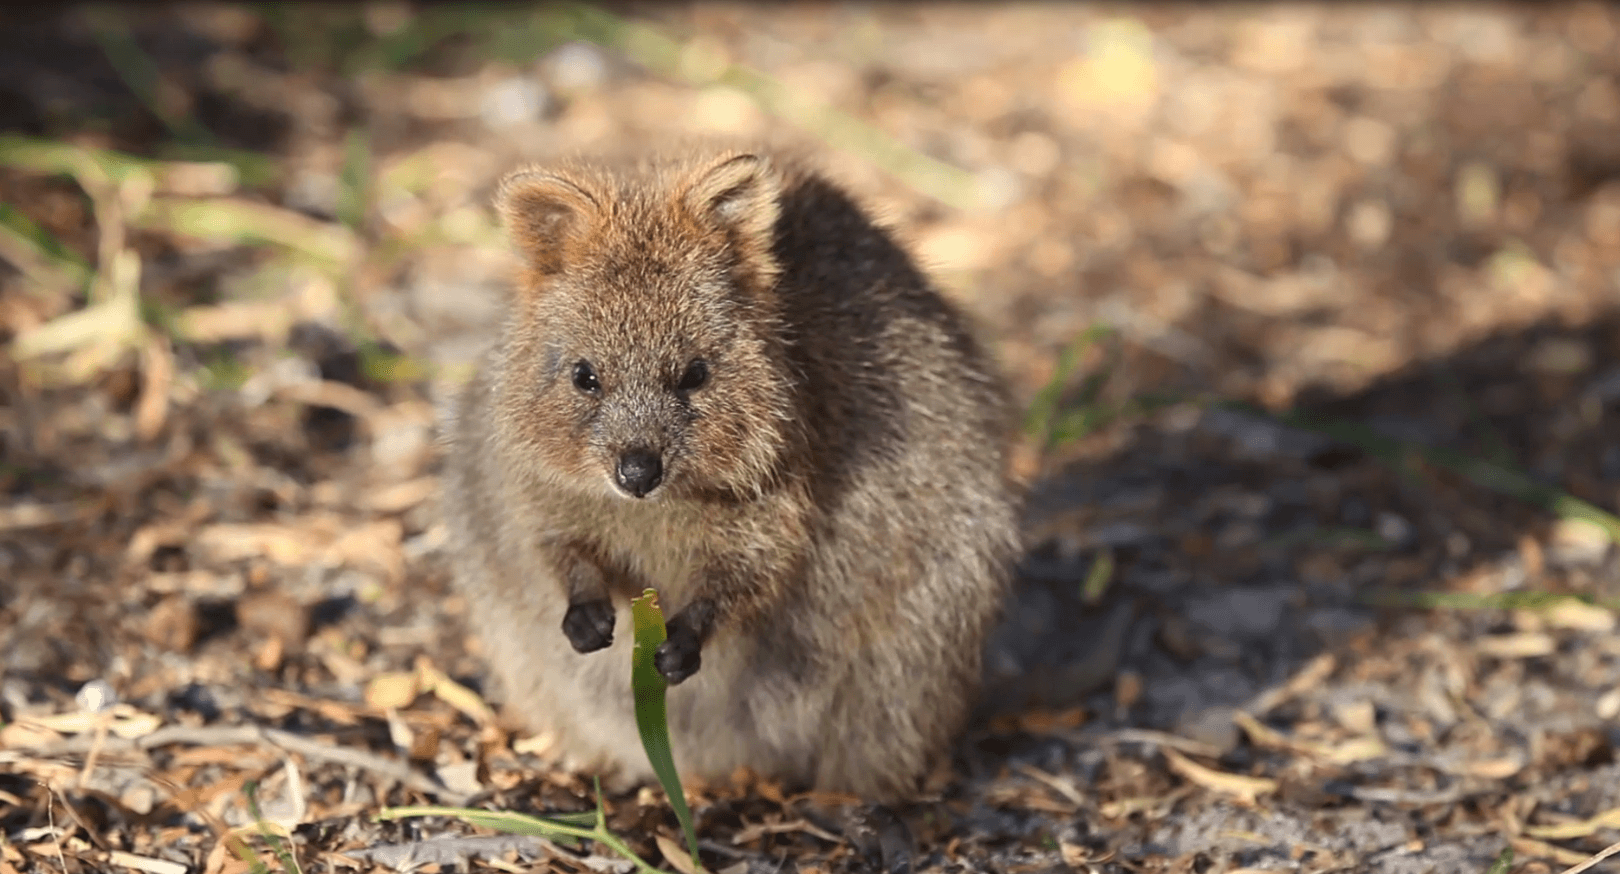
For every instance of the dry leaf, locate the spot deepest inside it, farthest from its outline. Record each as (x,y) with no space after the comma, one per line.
(28,734)
(759,829)
(157,374)
(1522,645)
(399,497)
(535,745)
(1311,675)
(125,722)
(432,679)
(31,514)
(394,690)
(1580,829)
(676,855)
(1579,616)
(1244,787)
(269,654)
(1499,768)
(1540,850)
(1360,749)
(145,863)
(1259,733)
(1063,786)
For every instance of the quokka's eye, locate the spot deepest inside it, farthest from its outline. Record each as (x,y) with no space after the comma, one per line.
(697,373)
(585,378)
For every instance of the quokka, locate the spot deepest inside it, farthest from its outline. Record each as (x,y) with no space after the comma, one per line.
(719,378)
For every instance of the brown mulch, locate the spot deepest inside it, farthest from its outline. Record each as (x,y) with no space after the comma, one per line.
(1241,639)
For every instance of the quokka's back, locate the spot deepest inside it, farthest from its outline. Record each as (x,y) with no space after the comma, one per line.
(718,378)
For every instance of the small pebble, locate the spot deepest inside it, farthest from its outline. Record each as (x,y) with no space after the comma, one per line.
(577,67)
(1213,726)
(1393,528)
(513,101)
(96,696)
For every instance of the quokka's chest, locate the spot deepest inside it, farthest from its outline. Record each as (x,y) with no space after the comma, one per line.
(659,547)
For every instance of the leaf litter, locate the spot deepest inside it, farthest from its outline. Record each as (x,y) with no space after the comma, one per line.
(1317,307)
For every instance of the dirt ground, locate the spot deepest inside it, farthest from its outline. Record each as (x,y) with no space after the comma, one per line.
(1316,310)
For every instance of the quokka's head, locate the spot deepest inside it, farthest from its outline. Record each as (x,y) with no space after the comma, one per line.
(642,355)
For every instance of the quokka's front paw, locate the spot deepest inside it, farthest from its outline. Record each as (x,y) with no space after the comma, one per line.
(680,655)
(589,625)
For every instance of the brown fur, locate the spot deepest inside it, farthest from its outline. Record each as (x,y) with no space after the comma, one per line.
(833,527)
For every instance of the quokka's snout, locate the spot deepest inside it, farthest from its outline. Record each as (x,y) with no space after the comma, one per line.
(638,472)
(640,438)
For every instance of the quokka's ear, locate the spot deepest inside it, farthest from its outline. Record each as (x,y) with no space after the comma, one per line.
(740,194)
(544,213)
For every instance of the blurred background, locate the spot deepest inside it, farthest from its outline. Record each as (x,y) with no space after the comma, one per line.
(1261,200)
(1300,299)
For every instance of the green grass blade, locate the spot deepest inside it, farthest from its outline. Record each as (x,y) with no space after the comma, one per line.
(1485,474)
(247,855)
(253,169)
(570,827)
(1432,600)
(111,30)
(567,828)
(39,255)
(284,853)
(1496,445)
(1098,578)
(652,718)
(1038,421)
(1043,410)
(354,193)
(91,165)
(246,222)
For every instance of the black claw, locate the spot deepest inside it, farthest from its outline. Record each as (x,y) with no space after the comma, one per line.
(589,625)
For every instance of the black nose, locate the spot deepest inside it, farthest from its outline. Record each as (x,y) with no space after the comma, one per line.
(640,472)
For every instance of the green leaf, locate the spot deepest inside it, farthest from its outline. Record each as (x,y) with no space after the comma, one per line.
(652,718)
